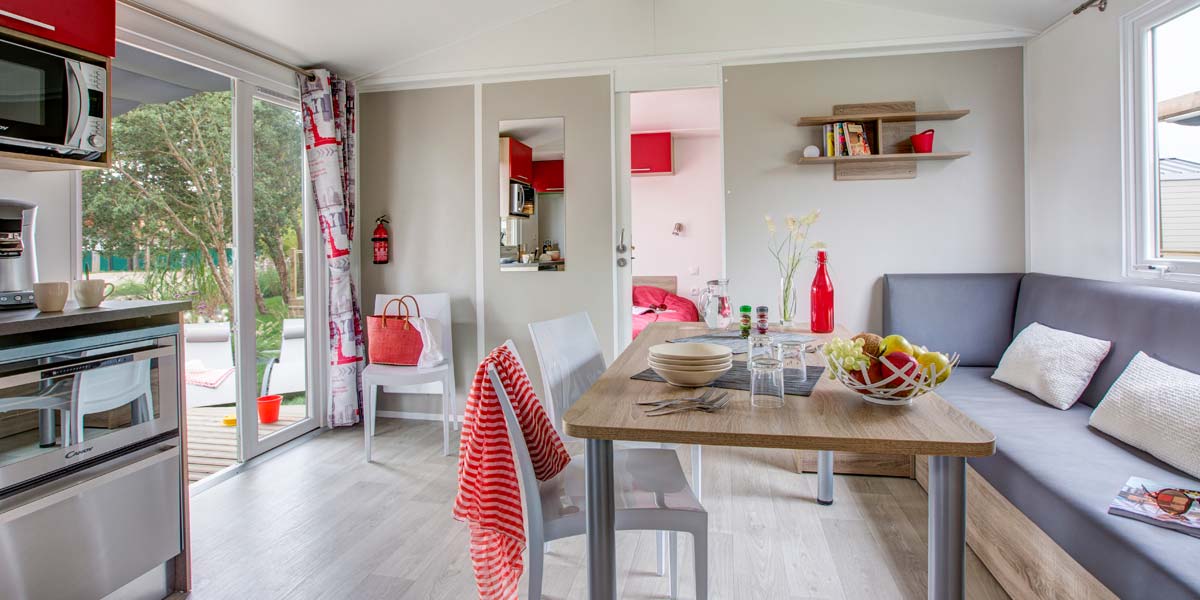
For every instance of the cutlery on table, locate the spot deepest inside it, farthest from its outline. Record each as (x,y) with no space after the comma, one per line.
(716,404)
(707,395)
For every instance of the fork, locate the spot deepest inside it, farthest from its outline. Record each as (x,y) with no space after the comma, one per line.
(717,404)
(670,401)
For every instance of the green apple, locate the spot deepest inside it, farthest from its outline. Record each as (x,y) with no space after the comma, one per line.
(935,362)
(895,343)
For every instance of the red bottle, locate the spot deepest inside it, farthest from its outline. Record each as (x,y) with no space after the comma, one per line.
(821,303)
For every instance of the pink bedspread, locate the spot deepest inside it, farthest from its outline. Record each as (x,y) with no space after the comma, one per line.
(652,305)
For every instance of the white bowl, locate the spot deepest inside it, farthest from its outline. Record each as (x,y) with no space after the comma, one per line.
(705,362)
(691,368)
(689,351)
(689,378)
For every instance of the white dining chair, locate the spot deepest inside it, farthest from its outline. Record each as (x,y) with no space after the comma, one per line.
(571,360)
(651,493)
(112,387)
(437,379)
(209,345)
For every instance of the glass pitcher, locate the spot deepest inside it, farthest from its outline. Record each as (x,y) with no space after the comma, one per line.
(715,306)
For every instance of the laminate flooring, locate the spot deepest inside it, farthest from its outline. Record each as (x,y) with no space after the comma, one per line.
(318,522)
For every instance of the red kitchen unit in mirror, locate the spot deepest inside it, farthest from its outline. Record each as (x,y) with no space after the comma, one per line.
(519,159)
(84,24)
(650,154)
(548,176)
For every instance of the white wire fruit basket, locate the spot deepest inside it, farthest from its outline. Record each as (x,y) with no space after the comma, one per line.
(894,388)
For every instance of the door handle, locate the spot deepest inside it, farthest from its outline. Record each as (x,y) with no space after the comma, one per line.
(35,23)
(621,248)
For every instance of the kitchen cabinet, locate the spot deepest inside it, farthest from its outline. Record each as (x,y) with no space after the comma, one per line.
(84,24)
(548,176)
(519,159)
(650,154)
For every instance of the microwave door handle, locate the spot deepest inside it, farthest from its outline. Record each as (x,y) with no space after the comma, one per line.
(76,100)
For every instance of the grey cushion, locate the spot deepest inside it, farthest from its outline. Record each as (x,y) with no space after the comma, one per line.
(1062,475)
(971,314)
(1161,322)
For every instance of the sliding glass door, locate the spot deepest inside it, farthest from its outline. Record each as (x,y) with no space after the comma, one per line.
(207,201)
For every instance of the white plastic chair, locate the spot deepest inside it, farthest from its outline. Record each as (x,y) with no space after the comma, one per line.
(287,374)
(438,379)
(651,493)
(571,360)
(110,388)
(209,344)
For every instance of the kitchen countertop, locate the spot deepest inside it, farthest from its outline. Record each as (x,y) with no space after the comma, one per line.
(31,320)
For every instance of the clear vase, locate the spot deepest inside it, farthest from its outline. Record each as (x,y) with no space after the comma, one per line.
(788,301)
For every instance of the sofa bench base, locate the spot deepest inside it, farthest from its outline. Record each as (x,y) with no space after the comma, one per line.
(1022,558)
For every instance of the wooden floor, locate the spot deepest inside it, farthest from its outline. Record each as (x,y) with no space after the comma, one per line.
(318,522)
(213,446)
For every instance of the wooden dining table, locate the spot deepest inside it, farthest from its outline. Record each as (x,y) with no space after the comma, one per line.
(831,419)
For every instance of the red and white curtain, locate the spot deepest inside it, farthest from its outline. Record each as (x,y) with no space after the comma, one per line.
(329,125)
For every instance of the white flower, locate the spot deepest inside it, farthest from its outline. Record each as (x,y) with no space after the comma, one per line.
(810,218)
(770,224)
(793,223)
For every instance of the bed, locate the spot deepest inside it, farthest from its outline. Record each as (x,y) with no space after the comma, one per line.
(655,300)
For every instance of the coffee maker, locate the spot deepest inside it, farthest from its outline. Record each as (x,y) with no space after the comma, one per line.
(18,261)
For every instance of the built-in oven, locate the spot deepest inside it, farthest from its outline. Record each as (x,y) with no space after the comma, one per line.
(51,103)
(72,401)
(91,480)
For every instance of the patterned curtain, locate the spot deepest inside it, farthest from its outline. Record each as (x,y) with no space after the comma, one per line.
(329,125)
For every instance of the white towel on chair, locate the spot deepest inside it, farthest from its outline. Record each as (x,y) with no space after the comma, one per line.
(431,339)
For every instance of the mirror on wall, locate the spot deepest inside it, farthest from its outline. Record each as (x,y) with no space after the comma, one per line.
(532,195)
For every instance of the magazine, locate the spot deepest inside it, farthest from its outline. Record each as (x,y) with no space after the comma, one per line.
(1135,503)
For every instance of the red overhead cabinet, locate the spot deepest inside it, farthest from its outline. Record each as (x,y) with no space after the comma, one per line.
(519,159)
(84,24)
(650,154)
(548,176)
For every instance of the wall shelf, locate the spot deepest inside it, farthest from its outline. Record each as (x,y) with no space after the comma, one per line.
(887,127)
(883,158)
(886,117)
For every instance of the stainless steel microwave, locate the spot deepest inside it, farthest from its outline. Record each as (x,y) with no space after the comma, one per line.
(51,104)
(521,199)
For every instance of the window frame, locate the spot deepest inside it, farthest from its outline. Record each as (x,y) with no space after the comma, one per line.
(1140,152)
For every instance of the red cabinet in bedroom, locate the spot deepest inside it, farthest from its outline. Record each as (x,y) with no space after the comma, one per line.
(548,175)
(84,24)
(650,154)
(519,159)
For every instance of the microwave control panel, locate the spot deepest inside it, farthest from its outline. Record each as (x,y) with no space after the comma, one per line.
(95,82)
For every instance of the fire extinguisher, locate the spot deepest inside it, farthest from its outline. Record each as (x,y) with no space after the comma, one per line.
(380,239)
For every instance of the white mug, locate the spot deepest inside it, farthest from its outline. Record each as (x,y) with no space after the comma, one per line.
(51,296)
(89,293)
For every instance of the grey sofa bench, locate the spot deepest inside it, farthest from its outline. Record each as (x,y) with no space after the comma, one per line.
(1049,464)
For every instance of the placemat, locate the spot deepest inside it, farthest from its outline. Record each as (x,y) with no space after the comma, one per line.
(738,378)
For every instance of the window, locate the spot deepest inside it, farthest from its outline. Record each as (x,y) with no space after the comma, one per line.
(1163,141)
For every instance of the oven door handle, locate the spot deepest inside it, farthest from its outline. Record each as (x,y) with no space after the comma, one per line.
(44,372)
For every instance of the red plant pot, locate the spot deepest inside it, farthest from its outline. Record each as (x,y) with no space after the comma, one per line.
(922,143)
(268,409)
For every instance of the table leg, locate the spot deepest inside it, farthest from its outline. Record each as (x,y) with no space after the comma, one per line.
(824,477)
(601,536)
(947,527)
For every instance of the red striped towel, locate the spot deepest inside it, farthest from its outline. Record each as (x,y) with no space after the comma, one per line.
(489,496)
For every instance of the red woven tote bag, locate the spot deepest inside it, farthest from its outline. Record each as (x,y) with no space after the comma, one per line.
(392,340)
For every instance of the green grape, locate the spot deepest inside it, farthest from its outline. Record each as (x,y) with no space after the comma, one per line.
(846,353)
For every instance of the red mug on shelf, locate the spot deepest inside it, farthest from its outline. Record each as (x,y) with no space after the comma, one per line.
(922,143)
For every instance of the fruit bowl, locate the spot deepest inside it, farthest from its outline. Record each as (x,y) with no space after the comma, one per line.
(891,386)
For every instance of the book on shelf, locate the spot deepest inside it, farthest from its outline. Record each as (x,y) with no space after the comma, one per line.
(1135,501)
(844,138)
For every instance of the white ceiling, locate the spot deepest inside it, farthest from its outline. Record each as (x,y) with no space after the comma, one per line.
(382,41)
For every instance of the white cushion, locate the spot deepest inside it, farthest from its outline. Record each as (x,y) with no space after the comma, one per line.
(1052,364)
(1155,407)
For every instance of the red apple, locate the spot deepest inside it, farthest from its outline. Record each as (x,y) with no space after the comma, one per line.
(898,362)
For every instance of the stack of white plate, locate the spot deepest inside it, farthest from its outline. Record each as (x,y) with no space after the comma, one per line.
(690,364)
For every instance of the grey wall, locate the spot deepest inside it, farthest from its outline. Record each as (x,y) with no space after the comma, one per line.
(418,163)
(512,300)
(956,216)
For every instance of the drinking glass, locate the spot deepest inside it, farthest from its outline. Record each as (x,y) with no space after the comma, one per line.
(766,382)
(759,344)
(792,355)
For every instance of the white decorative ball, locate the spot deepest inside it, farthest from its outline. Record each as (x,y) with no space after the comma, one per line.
(812,152)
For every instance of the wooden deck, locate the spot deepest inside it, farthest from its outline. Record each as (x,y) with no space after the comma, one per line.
(213,446)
